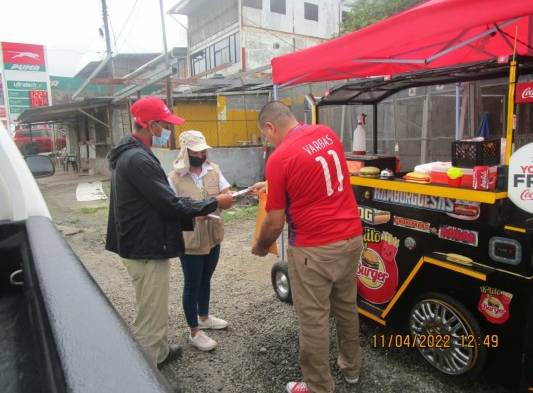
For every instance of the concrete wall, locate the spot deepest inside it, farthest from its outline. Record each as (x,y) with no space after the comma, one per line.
(212,19)
(262,45)
(241,166)
(121,124)
(293,20)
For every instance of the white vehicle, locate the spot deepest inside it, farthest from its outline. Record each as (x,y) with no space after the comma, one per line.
(58,331)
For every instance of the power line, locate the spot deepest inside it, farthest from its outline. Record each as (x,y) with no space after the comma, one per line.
(72,50)
(113,32)
(127,19)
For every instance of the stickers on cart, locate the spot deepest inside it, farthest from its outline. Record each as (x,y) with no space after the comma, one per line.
(462,210)
(465,210)
(377,273)
(409,223)
(520,185)
(459,235)
(494,304)
(374,216)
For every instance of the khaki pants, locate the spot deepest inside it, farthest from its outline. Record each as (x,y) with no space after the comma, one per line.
(323,280)
(150,279)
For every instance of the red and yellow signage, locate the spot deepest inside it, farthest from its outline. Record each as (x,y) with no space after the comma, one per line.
(23,57)
(494,304)
(524,93)
(377,273)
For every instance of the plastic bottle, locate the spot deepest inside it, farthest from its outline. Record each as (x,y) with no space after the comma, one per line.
(397,155)
(359,136)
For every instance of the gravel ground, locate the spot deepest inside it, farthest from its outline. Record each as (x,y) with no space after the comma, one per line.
(258,353)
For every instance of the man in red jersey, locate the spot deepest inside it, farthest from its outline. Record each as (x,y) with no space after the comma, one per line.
(308,185)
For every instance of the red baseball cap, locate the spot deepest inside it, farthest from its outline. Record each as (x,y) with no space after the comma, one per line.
(153,108)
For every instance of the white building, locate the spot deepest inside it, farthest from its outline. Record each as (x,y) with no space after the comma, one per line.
(229,36)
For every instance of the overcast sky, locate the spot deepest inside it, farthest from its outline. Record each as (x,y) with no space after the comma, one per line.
(69,28)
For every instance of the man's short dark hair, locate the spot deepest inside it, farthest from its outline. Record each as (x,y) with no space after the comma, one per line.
(275,112)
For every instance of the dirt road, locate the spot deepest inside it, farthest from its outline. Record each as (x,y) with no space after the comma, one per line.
(258,353)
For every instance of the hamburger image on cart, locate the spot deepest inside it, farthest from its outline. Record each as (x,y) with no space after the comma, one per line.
(450,268)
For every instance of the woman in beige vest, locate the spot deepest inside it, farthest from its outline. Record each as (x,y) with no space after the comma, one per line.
(196,177)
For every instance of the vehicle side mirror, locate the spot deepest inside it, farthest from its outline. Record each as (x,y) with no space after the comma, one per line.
(40,166)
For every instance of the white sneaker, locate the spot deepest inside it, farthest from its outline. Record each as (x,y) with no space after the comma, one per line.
(351,381)
(212,323)
(296,387)
(202,341)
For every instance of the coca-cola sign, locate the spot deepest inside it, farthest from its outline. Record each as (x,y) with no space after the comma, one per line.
(524,93)
(520,184)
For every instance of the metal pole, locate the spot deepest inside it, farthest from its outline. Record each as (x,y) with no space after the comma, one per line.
(275,92)
(425,128)
(107,37)
(281,238)
(510,112)
(343,122)
(168,81)
(375,128)
(457,110)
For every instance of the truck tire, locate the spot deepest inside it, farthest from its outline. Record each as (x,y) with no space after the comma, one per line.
(439,318)
(280,282)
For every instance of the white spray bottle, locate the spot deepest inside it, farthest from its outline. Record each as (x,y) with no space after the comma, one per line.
(359,136)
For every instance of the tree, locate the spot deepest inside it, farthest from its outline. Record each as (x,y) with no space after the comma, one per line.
(367,12)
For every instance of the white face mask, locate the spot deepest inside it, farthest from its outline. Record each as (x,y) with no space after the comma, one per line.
(163,138)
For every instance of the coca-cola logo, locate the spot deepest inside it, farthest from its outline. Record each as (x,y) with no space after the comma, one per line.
(524,92)
(527,93)
(526,195)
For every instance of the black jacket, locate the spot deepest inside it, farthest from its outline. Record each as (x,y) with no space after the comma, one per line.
(145,216)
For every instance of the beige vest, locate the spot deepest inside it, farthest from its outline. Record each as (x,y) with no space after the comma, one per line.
(209,232)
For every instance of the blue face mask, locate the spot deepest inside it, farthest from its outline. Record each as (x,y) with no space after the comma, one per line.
(163,139)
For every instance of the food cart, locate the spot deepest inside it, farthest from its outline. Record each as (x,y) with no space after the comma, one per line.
(448,268)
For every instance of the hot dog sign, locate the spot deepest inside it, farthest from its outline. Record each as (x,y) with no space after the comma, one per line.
(520,181)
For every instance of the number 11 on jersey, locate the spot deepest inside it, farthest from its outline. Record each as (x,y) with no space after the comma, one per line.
(327,174)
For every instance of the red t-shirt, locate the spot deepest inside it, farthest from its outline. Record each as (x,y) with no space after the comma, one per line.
(308,176)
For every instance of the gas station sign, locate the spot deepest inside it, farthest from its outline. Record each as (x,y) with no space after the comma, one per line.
(23,57)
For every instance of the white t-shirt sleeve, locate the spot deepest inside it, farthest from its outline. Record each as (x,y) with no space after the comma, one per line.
(222,182)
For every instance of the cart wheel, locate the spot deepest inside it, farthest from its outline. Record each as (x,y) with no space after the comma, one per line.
(435,316)
(280,281)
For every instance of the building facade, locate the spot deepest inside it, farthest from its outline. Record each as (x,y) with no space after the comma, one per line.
(230,36)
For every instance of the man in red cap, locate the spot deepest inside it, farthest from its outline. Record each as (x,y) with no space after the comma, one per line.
(146,221)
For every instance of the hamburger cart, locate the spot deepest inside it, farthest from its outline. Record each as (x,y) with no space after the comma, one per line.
(450,269)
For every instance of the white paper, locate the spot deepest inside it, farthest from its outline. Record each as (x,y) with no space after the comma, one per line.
(238,194)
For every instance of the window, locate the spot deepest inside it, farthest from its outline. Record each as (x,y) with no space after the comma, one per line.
(198,63)
(225,51)
(278,6)
(237,48)
(345,16)
(232,49)
(253,4)
(222,52)
(311,11)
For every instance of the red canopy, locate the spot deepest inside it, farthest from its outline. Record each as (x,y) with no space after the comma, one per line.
(435,34)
